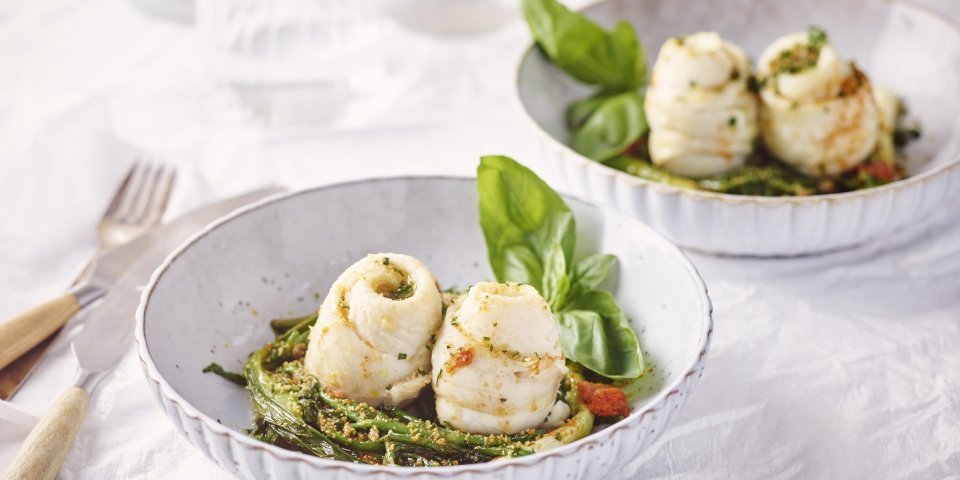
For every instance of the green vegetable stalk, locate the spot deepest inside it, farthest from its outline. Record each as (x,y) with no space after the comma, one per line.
(293,410)
(766,180)
(762,176)
(646,170)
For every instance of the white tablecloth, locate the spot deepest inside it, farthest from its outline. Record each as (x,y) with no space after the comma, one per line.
(838,366)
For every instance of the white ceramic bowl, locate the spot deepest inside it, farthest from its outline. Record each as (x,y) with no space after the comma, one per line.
(211,299)
(902,46)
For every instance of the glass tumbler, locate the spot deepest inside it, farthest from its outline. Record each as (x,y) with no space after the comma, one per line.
(294,62)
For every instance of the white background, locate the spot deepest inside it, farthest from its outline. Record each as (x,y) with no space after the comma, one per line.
(838,366)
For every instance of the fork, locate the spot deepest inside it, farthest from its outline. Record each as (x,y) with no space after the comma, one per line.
(137,206)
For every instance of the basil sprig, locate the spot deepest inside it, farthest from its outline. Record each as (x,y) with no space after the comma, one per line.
(616,123)
(607,123)
(531,235)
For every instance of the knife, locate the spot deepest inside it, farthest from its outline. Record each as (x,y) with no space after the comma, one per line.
(105,338)
(24,332)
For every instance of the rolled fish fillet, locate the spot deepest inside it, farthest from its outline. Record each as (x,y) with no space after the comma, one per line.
(702,115)
(371,341)
(888,108)
(818,112)
(497,363)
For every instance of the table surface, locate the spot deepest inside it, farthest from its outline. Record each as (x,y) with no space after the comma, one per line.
(836,366)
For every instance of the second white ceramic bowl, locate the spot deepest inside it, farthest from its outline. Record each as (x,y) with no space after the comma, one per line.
(907,48)
(212,298)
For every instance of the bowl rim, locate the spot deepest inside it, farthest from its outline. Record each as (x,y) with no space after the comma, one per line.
(598,168)
(165,390)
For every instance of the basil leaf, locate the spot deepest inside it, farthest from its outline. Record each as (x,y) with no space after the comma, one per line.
(530,234)
(556,283)
(614,61)
(590,271)
(521,265)
(595,333)
(617,123)
(578,112)
(629,54)
(521,218)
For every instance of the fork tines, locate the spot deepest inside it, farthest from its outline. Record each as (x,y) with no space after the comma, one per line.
(143,195)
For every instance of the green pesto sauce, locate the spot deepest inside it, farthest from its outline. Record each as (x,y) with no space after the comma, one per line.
(762,175)
(403,290)
(292,410)
(802,56)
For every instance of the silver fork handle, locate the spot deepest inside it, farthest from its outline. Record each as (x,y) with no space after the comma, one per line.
(87,294)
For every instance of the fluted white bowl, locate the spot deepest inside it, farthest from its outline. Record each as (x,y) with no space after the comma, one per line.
(212,298)
(905,47)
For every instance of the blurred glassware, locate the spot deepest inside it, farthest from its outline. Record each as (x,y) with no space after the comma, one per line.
(295,62)
(179,11)
(454,17)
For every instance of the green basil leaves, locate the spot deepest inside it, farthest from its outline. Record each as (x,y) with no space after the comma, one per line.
(615,124)
(595,333)
(522,218)
(531,234)
(607,123)
(614,61)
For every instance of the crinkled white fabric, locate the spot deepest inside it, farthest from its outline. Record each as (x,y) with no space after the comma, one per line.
(833,366)
(836,366)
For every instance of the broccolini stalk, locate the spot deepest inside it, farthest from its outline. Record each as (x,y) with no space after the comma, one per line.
(580,423)
(365,417)
(292,408)
(270,409)
(767,180)
(282,325)
(767,177)
(216,369)
(647,171)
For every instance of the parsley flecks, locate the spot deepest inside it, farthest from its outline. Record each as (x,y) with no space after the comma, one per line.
(816,36)
(802,56)
(403,290)
(904,136)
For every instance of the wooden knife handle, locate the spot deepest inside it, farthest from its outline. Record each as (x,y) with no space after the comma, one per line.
(42,453)
(25,331)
